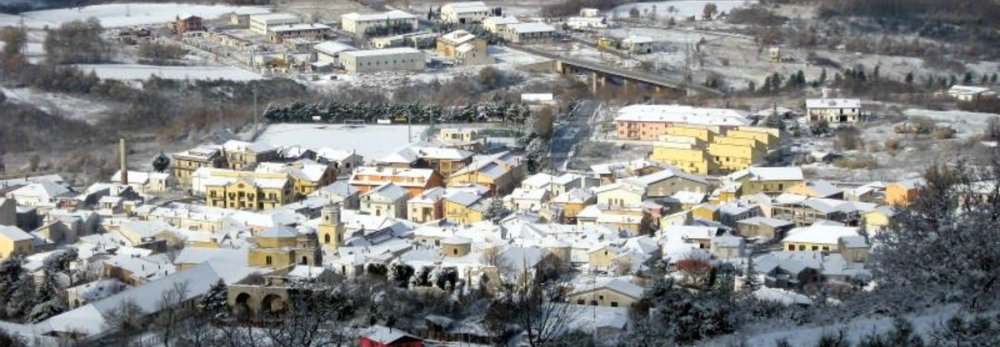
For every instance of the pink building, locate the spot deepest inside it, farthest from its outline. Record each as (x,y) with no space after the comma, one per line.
(648,122)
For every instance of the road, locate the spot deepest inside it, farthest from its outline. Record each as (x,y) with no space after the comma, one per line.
(570,131)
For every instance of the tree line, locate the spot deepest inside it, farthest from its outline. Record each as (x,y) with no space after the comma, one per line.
(369,112)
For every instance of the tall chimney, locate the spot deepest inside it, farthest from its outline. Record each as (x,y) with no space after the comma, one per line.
(122,155)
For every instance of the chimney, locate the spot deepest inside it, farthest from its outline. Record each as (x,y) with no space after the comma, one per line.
(122,155)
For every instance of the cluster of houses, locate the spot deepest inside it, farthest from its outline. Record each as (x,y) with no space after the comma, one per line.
(301,214)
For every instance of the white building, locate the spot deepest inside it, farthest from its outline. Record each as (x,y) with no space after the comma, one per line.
(496,24)
(465,12)
(584,23)
(834,111)
(638,44)
(329,52)
(971,93)
(262,23)
(357,24)
(528,32)
(390,59)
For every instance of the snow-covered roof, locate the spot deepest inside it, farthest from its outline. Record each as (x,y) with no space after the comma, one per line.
(528,194)
(394,14)
(578,195)
(298,27)
(758,174)
(458,37)
(42,189)
(333,48)
(242,146)
(682,114)
(369,171)
(781,296)
(385,335)
(638,39)
(466,7)
(382,52)
(686,197)
(820,234)
(666,173)
(279,231)
(833,103)
(390,191)
(771,222)
(273,17)
(496,20)
(13,233)
(616,284)
(532,27)
(968,90)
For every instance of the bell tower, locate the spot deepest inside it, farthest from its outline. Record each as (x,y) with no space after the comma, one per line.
(330,227)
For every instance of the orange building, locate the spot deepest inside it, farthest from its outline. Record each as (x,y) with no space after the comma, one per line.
(902,193)
(416,181)
(649,122)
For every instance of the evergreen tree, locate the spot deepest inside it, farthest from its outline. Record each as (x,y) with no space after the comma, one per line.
(161,162)
(993,78)
(822,76)
(10,273)
(967,80)
(750,281)
(909,78)
(22,297)
(214,302)
(496,211)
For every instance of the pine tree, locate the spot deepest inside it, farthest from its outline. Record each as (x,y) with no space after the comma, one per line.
(750,281)
(822,76)
(161,162)
(214,302)
(993,78)
(909,78)
(496,211)
(22,297)
(967,80)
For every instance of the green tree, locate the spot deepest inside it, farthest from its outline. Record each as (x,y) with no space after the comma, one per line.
(909,78)
(496,211)
(161,162)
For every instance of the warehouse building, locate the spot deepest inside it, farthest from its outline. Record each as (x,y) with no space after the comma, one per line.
(391,59)
(358,24)
(262,23)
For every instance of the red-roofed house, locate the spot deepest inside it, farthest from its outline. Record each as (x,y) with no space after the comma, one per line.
(381,336)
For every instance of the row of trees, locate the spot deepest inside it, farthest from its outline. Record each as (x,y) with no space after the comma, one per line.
(339,112)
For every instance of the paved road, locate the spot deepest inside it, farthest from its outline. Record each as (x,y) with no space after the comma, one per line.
(570,131)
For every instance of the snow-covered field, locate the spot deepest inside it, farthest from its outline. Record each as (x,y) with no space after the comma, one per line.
(59,104)
(682,9)
(370,141)
(966,124)
(126,14)
(141,72)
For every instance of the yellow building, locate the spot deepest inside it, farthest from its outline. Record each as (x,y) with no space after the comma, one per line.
(499,172)
(331,230)
(307,175)
(825,238)
(610,292)
(902,193)
(14,241)
(767,180)
(733,154)
(464,48)
(248,190)
(184,164)
(245,155)
(880,219)
(708,150)
(706,212)
(281,247)
(465,207)
(572,202)
(685,156)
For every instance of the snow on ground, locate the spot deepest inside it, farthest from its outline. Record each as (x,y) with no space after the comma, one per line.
(683,9)
(59,104)
(853,330)
(370,141)
(966,124)
(122,15)
(141,72)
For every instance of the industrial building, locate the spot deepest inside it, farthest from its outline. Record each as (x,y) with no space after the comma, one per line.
(262,23)
(390,59)
(358,24)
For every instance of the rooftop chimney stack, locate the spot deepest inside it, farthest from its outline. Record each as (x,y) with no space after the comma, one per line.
(122,155)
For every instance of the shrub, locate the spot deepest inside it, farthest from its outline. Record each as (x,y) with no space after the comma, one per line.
(943,133)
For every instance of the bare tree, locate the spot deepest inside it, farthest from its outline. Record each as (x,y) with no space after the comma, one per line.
(311,317)
(172,312)
(534,305)
(125,324)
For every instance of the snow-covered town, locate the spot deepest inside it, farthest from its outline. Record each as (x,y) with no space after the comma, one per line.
(502,173)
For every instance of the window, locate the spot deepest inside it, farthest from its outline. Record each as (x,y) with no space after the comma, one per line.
(326,238)
(454,251)
(600,297)
(614,304)
(268,260)
(593,302)
(815,248)
(580,302)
